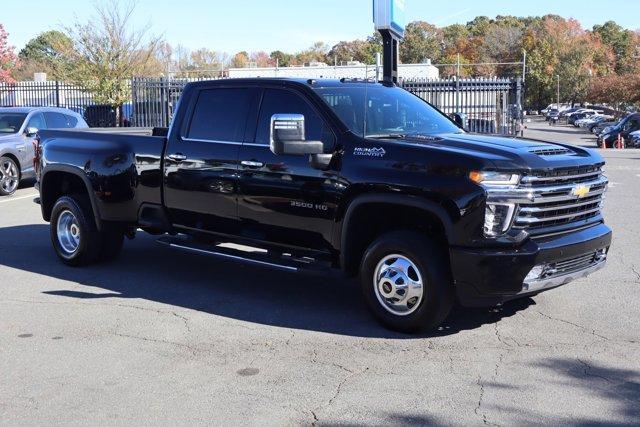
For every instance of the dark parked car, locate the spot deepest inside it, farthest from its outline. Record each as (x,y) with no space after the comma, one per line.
(629,124)
(362,178)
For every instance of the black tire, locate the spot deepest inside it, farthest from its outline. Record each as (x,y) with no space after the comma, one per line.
(89,243)
(112,242)
(14,167)
(429,258)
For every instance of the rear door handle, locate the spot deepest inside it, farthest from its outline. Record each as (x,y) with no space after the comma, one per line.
(251,164)
(178,157)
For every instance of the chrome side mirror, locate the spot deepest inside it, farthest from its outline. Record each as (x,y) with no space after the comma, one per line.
(288,136)
(30,132)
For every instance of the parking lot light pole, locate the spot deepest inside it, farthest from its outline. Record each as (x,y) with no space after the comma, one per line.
(558,104)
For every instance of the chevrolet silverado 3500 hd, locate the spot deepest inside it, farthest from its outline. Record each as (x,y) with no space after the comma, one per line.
(324,174)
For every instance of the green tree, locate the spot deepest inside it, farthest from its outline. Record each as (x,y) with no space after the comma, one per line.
(620,41)
(281,58)
(422,41)
(47,46)
(107,52)
(45,53)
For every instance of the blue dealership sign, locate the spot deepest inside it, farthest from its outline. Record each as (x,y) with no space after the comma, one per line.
(390,15)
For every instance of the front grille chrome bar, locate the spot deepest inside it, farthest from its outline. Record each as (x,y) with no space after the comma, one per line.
(545,194)
(550,201)
(532,179)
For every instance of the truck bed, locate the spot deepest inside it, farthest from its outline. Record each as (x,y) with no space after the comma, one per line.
(123,165)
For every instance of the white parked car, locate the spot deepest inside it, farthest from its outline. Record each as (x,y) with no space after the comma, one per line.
(18,127)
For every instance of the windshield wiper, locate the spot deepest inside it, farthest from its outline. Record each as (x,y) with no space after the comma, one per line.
(414,135)
(387,136)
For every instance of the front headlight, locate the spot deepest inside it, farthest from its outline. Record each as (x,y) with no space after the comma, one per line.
(499,213)
(494,179)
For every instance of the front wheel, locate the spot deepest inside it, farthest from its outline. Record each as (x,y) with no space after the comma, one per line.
(9,176)
(406,282)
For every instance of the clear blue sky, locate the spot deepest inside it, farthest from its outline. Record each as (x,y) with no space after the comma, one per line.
(291,25)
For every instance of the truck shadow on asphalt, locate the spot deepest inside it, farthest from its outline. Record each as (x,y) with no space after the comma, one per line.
(146,270)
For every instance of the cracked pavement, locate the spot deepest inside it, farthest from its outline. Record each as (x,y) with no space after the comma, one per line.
(172,338)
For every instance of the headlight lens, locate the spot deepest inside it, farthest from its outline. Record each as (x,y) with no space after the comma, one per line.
(488,178)
(499,213)
(497,219)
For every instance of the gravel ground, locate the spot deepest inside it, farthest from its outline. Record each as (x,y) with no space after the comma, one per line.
(161,337)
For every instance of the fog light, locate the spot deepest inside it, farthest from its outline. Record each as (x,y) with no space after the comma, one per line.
(536,273)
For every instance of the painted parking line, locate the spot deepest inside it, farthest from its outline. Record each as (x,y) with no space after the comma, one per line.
(13,199)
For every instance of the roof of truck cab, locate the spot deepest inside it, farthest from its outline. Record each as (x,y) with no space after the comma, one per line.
(310,82)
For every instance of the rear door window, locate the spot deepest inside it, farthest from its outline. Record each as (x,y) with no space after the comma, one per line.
(220,115)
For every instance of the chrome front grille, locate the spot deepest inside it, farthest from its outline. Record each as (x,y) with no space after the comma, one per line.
(560,197)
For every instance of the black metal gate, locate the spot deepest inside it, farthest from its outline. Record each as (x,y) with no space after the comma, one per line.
(58,94)
(490,105)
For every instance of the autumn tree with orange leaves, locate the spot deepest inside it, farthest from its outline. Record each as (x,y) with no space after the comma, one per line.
(8,59)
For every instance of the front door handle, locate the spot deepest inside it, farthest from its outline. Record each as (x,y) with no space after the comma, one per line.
(178,157)
(251,164)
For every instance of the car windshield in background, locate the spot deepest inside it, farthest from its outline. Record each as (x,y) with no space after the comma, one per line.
(11,122)
(390,112)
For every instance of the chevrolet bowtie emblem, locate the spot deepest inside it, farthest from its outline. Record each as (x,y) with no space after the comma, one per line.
(581,191)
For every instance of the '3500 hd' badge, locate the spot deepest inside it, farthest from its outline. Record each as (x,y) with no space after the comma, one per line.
(369,152)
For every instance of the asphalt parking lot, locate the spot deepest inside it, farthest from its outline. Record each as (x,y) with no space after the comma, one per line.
(162,337)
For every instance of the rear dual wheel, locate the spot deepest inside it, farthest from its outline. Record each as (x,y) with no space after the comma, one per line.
(75,237)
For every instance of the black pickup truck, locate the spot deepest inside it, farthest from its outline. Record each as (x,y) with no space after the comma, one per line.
(326,175)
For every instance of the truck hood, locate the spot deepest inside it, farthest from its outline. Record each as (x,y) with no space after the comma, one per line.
(512,153)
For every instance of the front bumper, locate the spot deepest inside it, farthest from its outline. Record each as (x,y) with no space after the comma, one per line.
(486,277)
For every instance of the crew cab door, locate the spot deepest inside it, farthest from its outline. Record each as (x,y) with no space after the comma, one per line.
(282,199)
(201,164)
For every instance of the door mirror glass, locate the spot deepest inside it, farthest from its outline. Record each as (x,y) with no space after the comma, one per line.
(288,136)
(460,120)
(31,131)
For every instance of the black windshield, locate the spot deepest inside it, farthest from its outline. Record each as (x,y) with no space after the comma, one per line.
(11,122)
(389,111)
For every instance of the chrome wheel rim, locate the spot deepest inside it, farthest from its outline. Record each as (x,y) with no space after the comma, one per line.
(398,285)
(68,232)
(9,177)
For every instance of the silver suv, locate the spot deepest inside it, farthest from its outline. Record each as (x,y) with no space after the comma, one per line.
(18,127)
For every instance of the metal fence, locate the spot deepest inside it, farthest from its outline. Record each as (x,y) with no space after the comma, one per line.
(60,94)
(489,105)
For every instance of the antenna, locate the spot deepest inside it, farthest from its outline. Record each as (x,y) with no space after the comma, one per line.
(366,103)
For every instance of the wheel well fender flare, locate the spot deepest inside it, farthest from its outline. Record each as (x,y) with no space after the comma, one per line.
(78,173)
(432,207)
